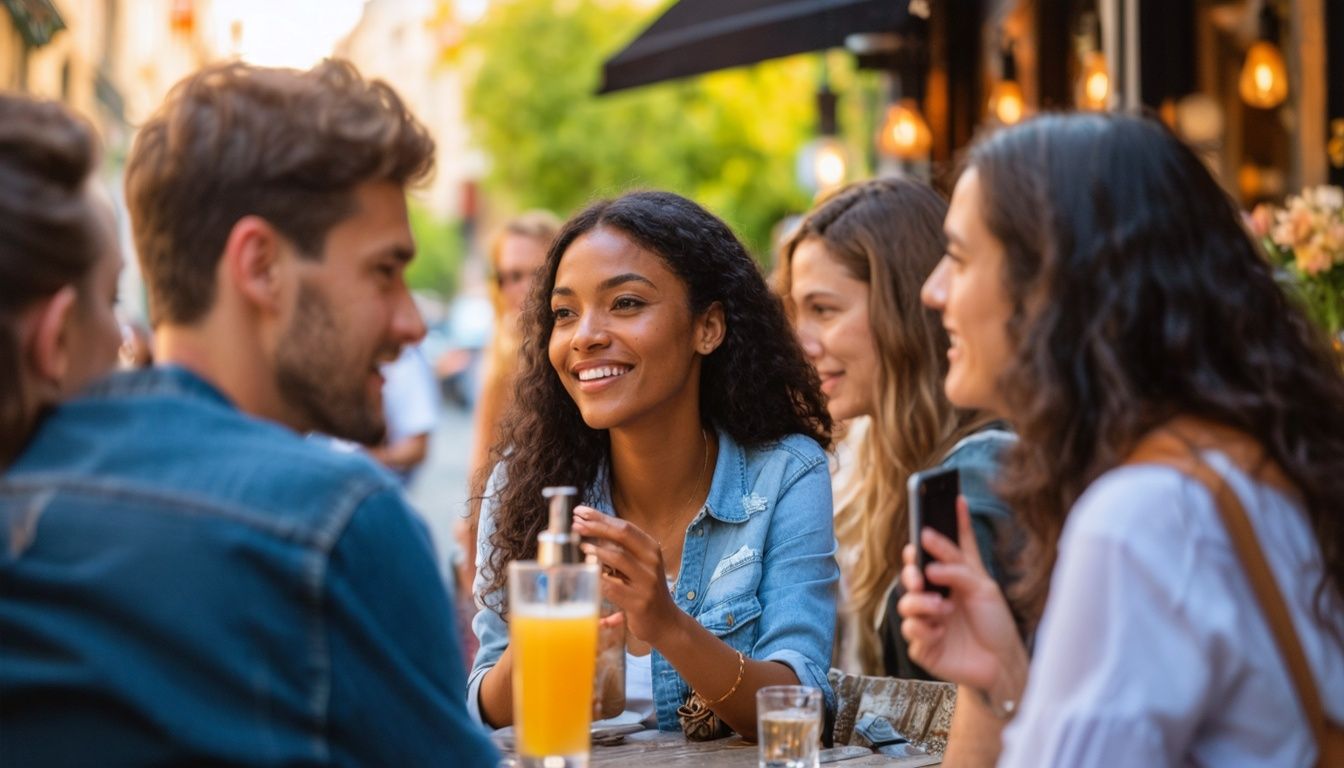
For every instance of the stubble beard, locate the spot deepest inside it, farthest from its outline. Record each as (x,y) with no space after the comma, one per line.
(319,380)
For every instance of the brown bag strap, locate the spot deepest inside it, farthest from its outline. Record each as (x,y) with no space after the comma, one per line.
(1177,445)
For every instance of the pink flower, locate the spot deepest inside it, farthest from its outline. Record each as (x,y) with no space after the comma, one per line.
(1261,220)
(1300,225)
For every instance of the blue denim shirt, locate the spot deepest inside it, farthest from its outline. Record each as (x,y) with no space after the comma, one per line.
(757,568)
(183,584)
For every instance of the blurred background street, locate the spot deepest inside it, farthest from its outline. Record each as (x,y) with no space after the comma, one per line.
(439,491)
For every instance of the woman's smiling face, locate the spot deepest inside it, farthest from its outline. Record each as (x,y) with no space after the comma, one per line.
(970,289)
(625,343)
(831,318)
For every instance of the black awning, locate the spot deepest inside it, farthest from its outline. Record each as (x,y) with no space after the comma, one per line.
(697,36)
(37,20)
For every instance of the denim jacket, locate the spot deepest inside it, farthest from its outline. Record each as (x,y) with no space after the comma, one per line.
(757,568)
(183,584)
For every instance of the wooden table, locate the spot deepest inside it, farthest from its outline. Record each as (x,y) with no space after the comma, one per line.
(661,748)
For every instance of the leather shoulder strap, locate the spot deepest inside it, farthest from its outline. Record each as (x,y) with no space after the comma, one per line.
(1177,445)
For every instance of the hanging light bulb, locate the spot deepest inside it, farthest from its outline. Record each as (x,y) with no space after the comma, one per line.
(1006,102)
(1094,78)
(1264,78)
(1096,82)
(823,163)
(905,134)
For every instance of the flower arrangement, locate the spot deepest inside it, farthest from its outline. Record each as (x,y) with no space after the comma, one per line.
(1305,239)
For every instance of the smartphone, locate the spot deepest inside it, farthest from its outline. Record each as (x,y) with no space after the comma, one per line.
(933,504)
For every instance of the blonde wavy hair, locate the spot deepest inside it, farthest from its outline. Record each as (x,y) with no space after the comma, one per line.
(501,364)
(887,233)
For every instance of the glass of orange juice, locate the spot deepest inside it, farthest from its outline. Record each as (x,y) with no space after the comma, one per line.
(553,615)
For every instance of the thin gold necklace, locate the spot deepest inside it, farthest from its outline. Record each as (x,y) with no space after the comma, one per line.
(690,501)
(704,466)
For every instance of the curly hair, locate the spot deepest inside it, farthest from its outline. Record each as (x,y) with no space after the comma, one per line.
(888,233)
(1137,295)
(756,385)
(48,230)
(234,140)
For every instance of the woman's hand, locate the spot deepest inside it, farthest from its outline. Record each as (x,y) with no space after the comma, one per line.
(969,637)
(633,576)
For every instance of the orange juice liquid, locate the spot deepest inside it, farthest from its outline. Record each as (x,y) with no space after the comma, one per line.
(554,654)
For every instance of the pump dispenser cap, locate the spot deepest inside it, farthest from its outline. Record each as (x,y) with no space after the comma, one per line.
(558,544)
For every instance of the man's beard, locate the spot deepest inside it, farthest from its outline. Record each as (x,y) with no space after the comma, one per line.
(318,378)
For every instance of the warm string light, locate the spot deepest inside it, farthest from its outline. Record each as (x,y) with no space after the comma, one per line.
(1096,82)
(1264,78)
(829,164)
(823,163)
(1006,102)
(905,134)
(1094,75)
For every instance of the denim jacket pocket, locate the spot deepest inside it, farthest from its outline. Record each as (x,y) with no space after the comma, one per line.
(734,621)
(736,574)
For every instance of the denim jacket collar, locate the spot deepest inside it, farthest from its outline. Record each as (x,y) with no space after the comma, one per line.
(159,380)
(727,501)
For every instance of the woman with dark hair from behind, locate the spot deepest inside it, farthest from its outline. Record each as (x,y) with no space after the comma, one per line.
(852,272)
(660,375)
(59,264)
(1102,293)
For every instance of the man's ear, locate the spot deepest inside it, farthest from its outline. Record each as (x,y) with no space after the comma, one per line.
(45,336)
(254,263)
(710,329)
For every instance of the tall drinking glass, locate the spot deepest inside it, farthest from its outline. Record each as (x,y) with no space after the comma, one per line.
(788,726)
(553,632)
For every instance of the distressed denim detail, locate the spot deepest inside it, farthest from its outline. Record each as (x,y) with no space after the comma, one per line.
(739,559)
(761,551)
(202,587)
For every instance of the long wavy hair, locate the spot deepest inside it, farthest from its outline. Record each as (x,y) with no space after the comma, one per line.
(756,385)
(502,356)
(887,233)
(1137,295)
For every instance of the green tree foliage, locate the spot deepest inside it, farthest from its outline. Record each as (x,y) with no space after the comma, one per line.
(727,140)
(438,253)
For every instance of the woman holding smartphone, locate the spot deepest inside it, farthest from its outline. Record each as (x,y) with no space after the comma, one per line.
(660,375)
(851,274)
(1101,292)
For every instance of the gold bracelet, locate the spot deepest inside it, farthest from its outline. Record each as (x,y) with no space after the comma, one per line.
(741,667)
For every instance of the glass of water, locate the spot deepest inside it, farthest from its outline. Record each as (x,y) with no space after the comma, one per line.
(788,726)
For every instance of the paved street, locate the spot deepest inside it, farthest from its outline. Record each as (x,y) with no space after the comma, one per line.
(439,491)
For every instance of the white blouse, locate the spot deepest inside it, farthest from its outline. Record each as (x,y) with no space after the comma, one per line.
(1153,650)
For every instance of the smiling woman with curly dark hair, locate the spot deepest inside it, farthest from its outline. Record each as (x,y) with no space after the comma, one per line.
(660,374)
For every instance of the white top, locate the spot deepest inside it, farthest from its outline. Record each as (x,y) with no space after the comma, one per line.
(639,688)
(1153,650)
(410,395)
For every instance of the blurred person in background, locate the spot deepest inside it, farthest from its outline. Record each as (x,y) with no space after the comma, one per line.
(851,273)
(411,407)
(188,579)
(517,253)
(59,263)
(1103,294)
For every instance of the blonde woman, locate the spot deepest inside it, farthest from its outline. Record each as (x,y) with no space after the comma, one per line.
(852,272)
(517,252)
